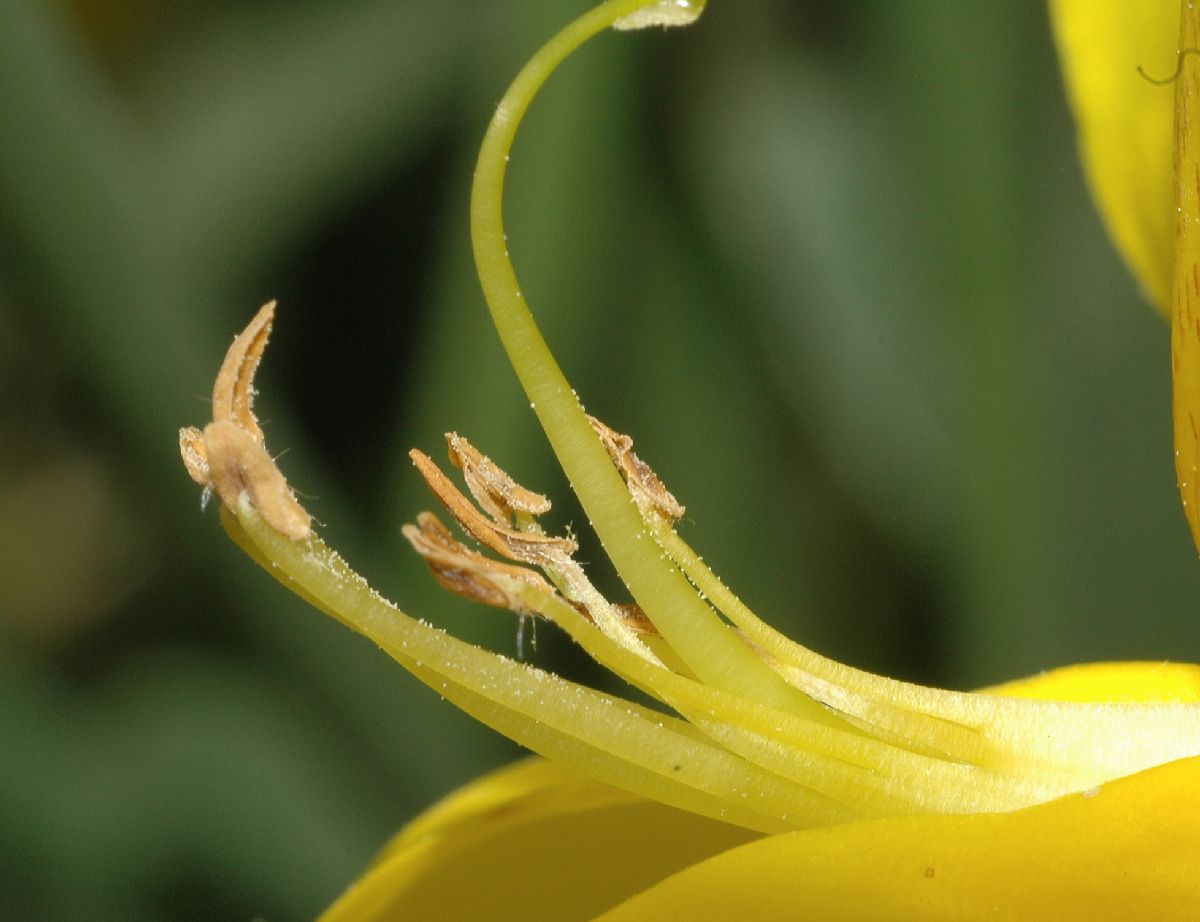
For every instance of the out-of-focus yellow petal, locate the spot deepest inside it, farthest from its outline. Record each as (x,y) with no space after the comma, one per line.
(1127,850)
(1146,683)
(535,840)
(1124,121)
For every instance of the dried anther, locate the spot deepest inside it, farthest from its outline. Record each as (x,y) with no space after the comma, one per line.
(497,494)
(468,573)
(233,391)
(648,491)
(473,576)
(229,456)
(632,617)
(478,577)
(527,547)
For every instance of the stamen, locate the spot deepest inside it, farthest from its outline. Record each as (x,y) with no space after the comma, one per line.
(609,738)
(229,457)
(839,764)
(528,545)
(497,494)
(468,573)
(650,493)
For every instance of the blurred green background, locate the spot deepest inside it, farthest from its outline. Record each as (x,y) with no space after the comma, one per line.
(833,265)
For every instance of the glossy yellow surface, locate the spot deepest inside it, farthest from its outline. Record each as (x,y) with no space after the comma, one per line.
(532,841)
(1099,856)
(539,835)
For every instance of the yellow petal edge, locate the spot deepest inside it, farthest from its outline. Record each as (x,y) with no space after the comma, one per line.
(1124,122)
(530,827)
(1124,851)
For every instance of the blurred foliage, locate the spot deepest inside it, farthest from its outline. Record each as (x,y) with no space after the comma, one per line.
(832,265)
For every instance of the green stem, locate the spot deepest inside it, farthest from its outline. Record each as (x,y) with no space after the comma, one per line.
(692,629)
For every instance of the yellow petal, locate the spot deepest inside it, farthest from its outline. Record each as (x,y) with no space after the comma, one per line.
(1124,121)
(534,840)
(1127,850)
(1145,683)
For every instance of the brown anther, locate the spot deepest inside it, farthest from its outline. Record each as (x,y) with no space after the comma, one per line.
(495,491)
(631,616)
(233,391)
(648,491)
(230,455)
(527,547)
(468,573)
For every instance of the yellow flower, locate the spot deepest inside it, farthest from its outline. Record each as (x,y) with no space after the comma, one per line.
(765,781)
